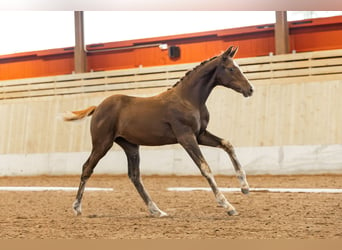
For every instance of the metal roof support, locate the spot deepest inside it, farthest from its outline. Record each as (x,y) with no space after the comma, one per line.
(80,55)
(282,44)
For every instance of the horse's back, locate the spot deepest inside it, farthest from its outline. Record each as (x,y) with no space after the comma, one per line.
(140,120)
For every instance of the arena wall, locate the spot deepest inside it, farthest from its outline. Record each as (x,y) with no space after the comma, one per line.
(258,40)
(291,125)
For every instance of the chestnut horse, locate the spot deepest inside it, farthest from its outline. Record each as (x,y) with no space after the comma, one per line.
(177,115)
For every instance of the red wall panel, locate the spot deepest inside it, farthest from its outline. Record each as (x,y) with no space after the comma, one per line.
(316,38)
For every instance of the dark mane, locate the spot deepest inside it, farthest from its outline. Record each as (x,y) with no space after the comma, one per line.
(193,70)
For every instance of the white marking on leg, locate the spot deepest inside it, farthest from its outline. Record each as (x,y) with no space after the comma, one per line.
(226,144)
(220,198)
(223,202)
(77,207)
(206,170)
(155,211)
(241,175)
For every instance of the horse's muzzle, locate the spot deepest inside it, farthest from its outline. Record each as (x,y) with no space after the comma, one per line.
(248,92)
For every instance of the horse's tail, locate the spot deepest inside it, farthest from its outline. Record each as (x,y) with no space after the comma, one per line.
(79,114)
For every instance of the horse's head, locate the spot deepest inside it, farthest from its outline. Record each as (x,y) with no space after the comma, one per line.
(229,74)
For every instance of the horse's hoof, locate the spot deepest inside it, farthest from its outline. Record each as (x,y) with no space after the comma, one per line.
(163,214)
(76,207)
(245,190)
(155,211)
(159,214)
(77,212)
(232,213)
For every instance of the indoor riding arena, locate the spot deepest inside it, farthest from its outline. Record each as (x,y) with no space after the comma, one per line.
(287,136)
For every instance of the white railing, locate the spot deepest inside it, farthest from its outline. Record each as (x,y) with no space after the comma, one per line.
(299,67)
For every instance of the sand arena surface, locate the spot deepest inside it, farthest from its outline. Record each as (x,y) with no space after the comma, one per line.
(121,214)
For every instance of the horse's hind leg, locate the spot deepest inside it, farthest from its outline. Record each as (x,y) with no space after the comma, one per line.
(98,151)
(133,159)
(211,140)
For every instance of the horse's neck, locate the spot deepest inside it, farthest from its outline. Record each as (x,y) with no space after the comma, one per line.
(197,87)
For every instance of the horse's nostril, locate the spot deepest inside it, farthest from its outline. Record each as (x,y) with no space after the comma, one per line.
(251,90)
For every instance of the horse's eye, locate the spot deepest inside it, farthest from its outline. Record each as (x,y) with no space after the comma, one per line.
(231,69)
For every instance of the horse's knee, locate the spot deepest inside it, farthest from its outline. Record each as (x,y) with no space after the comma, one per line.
(227,146)
(206,171)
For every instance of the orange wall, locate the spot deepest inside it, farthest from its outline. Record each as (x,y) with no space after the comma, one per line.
(194,48)
(321,34)
(307,35)
(35,65)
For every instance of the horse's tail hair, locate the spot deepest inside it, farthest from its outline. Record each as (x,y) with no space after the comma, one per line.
(79,114)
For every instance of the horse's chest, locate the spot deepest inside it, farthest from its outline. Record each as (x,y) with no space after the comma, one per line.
(191,117)
(191,120)
(195,122)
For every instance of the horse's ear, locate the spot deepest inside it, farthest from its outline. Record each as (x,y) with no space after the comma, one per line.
(230,52)
(225,54)
(233,52)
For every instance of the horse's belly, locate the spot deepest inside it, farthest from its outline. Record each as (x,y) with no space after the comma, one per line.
(148,133)
(154,141)
(150,140)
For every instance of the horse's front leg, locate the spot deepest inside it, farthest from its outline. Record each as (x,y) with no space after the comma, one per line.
(190,144)
(208,139)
